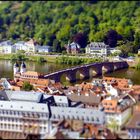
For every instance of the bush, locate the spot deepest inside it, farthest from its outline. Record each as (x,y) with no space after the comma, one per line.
(76,60)
(18,57)
(27,86)
(41,59)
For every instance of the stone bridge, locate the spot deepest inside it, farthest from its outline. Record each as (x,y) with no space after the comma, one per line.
(86,71)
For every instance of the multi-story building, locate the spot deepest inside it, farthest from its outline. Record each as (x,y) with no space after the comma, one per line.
(20,46)
(100,49)
(44,49)
(7,47)
(23,112)
(32,46)
(97,49)
(32,113)
(133,126)
(73,48)
(118,109)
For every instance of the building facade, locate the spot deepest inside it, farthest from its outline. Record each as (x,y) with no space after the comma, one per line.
(32,46)
(44,49)
(73,48)
(30,113)
(6,47)
(97,49)
(133,126)
(20,46)
(100,49)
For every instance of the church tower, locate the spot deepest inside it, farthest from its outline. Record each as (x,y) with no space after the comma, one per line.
(22,68)
(16,68)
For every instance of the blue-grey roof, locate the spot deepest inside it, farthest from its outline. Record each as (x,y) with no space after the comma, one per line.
(24,106)
(16,65)
(20,42)
(24,96)
(3,95)
(8,43)
(43,47)
(98,44)
(23,65)
(60,99)
(74,45)
(95,115)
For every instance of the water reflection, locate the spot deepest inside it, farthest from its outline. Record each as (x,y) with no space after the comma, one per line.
(6,70)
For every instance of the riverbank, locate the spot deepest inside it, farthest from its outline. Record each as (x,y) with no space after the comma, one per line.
(60,59)
(34,58)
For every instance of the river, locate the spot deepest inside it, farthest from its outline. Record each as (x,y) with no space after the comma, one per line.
(6,70)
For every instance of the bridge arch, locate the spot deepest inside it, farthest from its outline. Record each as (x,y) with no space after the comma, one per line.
(79,75)
(107,67)
(82,73)
(93,71)
(116,66)
(68,76)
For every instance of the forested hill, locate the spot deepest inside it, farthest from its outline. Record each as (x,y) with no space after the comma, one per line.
(52,21)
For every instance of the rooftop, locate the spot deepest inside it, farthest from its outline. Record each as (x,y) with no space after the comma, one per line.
(24,106)
(90,99)
(24,96)
(134,121)
(31,73)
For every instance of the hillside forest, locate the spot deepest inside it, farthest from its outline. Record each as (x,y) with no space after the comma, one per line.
(56,23)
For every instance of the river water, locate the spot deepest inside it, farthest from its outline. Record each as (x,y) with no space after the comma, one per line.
(6,70)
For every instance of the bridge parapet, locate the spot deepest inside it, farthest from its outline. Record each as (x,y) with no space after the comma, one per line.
(85,70)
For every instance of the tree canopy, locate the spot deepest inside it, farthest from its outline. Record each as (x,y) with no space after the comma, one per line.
(55,23)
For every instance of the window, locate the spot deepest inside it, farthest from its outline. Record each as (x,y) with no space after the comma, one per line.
(97,119)
(87,118)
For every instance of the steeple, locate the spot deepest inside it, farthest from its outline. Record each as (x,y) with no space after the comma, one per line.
(16,68)
(22,67)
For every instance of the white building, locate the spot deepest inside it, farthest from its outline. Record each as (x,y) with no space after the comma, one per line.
(118,109)
(100,49)
(44,49)
(24,114)
(34,113)
(6,47)
(20,46)
(97,49)
(32,46)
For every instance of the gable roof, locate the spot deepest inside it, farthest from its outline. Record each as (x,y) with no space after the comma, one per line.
(31,42)
(91,99)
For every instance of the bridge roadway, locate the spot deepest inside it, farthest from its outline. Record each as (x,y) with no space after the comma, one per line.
(85,71)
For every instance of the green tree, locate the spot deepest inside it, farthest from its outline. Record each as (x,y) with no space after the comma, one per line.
(40,59)
(113,125)
(27,86)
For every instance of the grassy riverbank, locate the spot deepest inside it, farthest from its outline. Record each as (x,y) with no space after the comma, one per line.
(5,56)
(48,58)
(74,60)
